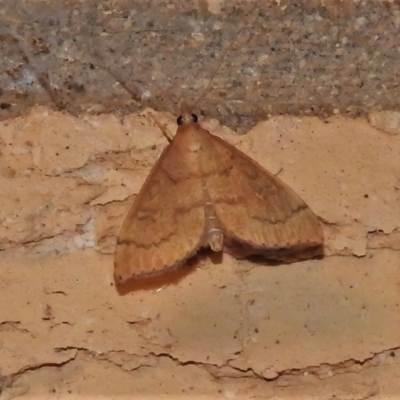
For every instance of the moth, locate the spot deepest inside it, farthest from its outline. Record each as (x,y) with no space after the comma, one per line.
(203,192)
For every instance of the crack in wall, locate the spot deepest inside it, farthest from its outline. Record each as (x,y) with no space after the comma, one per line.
(323,371)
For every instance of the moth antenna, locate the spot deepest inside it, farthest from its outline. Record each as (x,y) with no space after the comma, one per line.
(209,84)
(217,68)
(135,96)
(162,127)
(119,79)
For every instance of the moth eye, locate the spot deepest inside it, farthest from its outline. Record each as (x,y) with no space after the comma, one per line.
(194,117)
(179,120)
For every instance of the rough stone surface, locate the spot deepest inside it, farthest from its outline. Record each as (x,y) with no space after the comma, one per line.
(310,57)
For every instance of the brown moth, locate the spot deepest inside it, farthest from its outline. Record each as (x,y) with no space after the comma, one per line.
(203,192)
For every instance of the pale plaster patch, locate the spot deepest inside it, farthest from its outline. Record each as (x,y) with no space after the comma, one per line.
(63,324)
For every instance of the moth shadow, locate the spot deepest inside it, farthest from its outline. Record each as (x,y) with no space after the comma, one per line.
(277,256)
(169,276)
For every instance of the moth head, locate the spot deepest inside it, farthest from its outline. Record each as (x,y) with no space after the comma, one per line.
(186,119)
(186,116)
